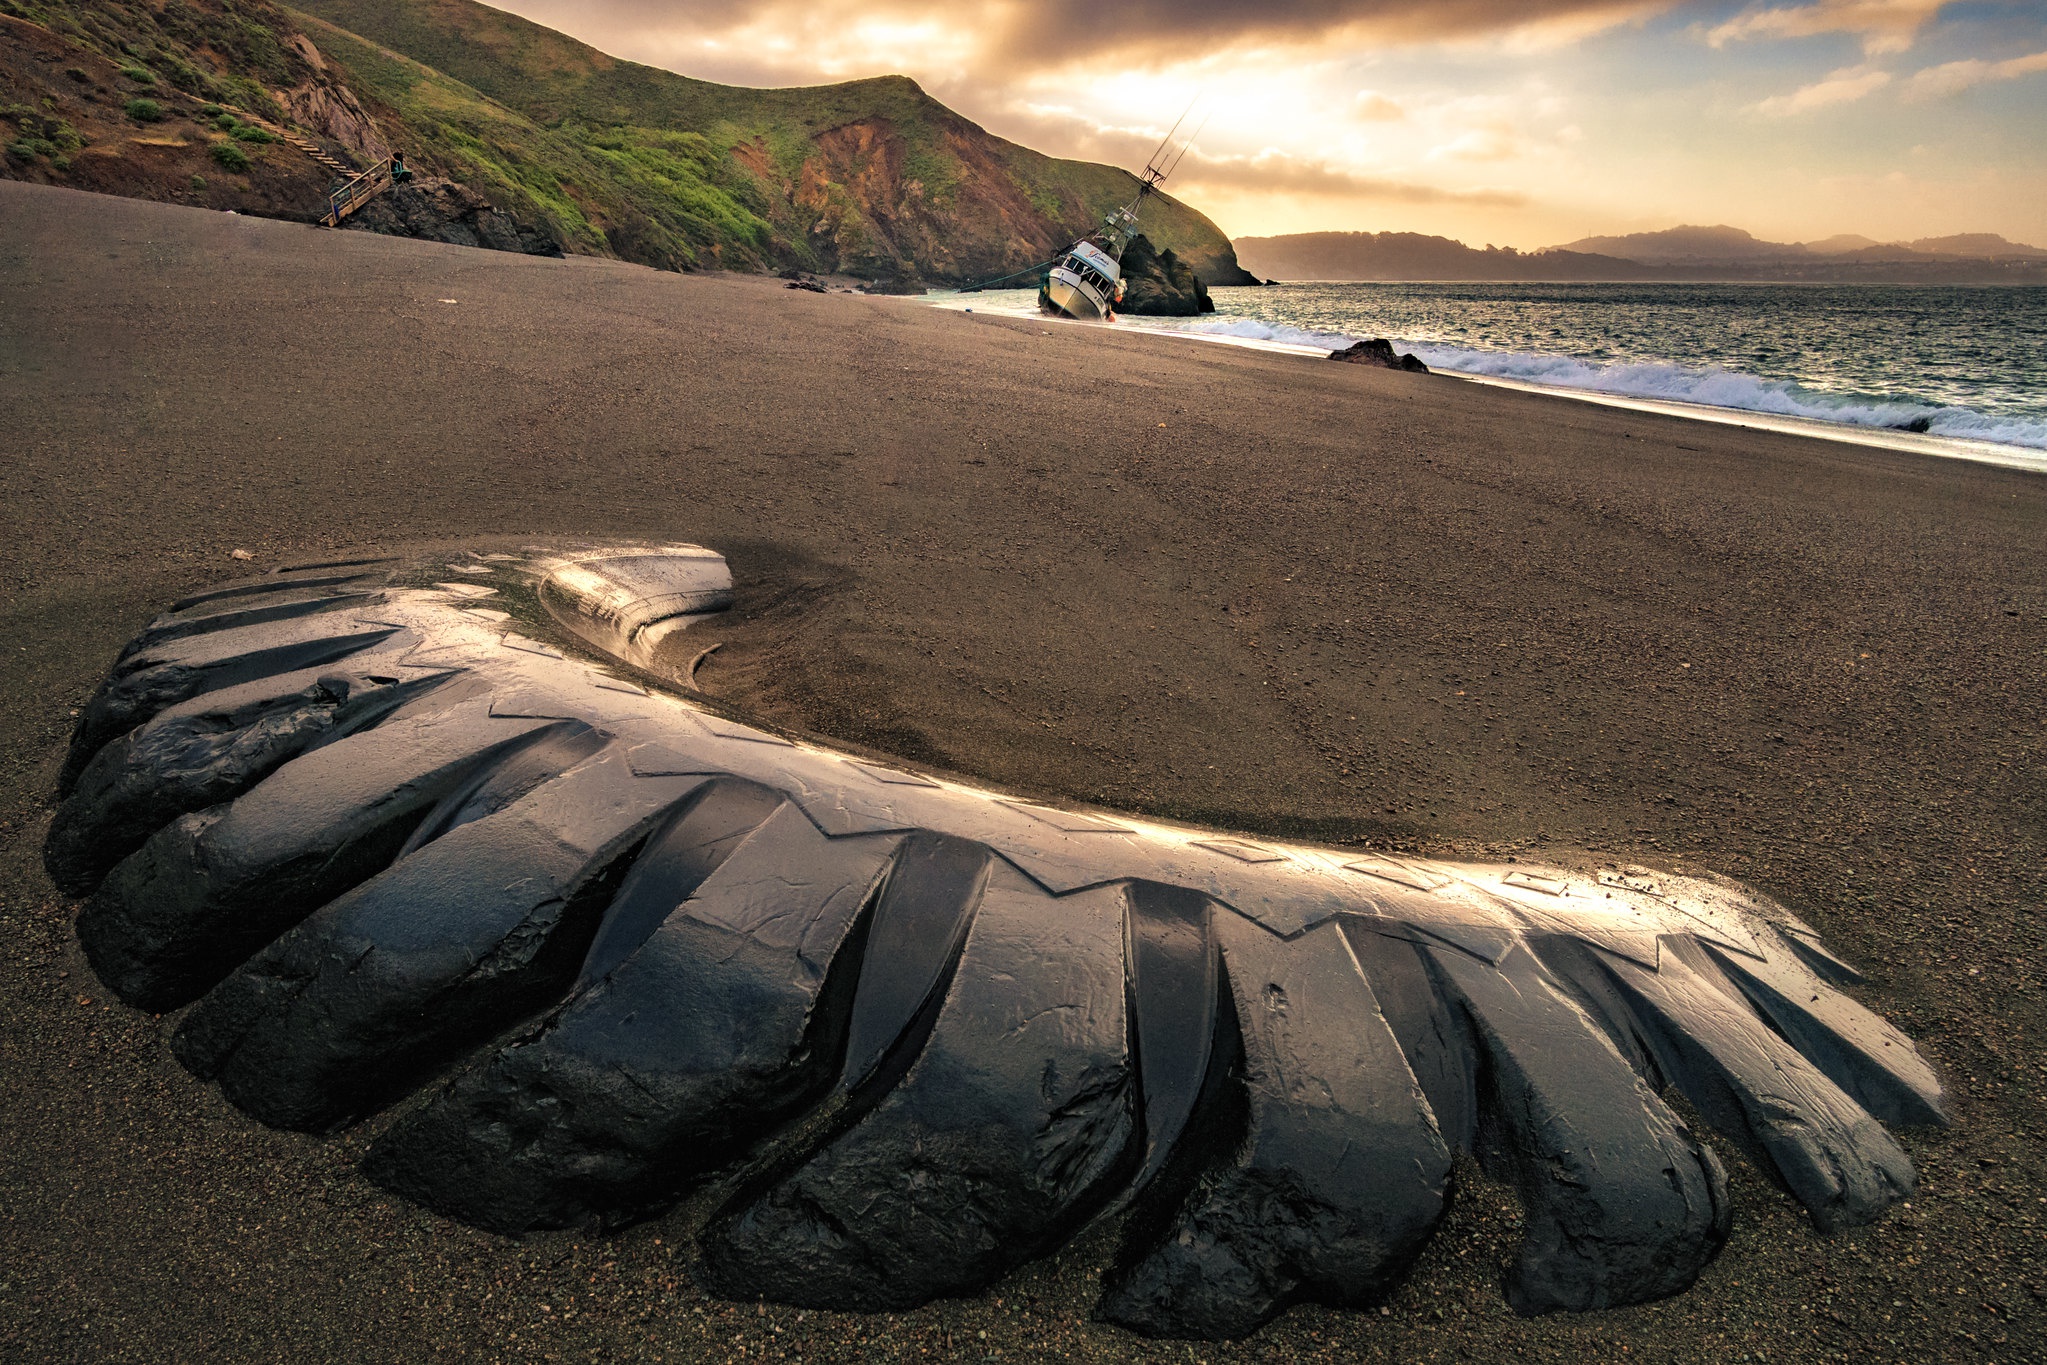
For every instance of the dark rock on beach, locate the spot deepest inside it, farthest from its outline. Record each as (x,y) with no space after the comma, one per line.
(444,211)
(1378,351)
(1159,284)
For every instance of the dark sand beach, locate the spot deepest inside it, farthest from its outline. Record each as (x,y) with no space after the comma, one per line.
(1283,596)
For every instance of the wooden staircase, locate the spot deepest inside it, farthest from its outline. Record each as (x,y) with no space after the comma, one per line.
(353,188)
(352,194)
(316,152)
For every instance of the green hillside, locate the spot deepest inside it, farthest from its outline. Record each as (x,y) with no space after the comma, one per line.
(873,177)
(662,198)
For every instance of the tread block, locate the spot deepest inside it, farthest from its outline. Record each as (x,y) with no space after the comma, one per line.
(1859,1052)
(1004,1134)
(920,925)
(1175,974)
(1434,1034)
(153,680)
(1623,1203)
(215,885)
(1760,1090)
(722,817)
(273,585)
(165,629)
(1341,1172)
(715,1028)
(202,754)
(459,941)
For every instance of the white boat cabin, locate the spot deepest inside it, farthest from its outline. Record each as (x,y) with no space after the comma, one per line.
(1086,284)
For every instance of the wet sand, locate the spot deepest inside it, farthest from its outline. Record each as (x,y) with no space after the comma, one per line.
(1254,590)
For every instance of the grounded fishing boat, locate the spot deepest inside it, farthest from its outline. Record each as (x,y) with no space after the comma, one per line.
(1087,283)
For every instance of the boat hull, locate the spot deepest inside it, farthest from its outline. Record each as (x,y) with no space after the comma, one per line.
(1071,300)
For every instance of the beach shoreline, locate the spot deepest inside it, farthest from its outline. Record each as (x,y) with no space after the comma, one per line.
(1344,606)
(1938,447)
(2007,455)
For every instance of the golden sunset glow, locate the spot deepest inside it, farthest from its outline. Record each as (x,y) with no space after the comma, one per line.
(1522,124)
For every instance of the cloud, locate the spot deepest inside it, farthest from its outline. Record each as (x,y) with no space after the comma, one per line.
(1177,23)
(1271,170)
(1343,172)
(1372,107)
(1480,144)
(1842,87)
(1279,172)
(765,36)
(1952,78)
(1885,25)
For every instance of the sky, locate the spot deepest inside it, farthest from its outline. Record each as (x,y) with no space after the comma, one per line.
(1523,123)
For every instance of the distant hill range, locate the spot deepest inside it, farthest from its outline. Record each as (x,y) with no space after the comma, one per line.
(525,138)
(1711,246)
(1681,253)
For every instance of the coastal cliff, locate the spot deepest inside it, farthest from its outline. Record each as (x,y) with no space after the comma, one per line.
(549,140)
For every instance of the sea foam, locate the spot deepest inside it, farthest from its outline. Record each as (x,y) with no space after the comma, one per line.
(1705,386)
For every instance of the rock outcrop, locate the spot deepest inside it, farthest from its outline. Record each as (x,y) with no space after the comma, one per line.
(1160,284)
(1378,351)
(444,211)
(892,285)
(330,109)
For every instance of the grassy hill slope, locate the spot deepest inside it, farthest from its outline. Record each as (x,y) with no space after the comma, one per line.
(662,198)
(136,101)
(873,177)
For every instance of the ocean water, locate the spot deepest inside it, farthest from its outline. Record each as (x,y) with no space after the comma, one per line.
(1961,363)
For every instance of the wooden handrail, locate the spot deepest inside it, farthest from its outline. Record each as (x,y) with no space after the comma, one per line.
(357,191)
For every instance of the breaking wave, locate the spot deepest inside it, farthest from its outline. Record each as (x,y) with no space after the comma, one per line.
(1707,387)
(1717,388)
(1251,329)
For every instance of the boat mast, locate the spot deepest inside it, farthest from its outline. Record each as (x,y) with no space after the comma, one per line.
(1121,224)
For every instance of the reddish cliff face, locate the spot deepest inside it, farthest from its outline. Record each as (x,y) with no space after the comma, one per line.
(868,214)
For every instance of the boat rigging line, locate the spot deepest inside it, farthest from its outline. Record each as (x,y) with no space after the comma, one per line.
(1027,270)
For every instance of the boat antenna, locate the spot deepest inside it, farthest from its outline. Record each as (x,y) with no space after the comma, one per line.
(1154,158)
(1122,223)
(1185,147)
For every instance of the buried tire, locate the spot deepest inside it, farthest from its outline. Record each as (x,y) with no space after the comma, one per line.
(400,830)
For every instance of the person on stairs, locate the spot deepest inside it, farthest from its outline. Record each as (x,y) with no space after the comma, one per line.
(400,172)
